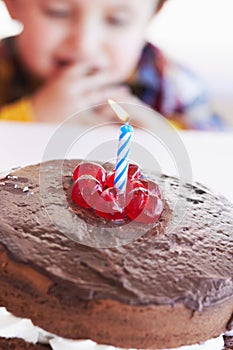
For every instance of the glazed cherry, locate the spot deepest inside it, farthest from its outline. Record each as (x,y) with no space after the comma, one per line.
(93,169)
(152,210)
(110,178)
(135,184)
(86,191)
(111,204)
(136,201)
(94,188)
(134,172)
(152,187)
(144,206)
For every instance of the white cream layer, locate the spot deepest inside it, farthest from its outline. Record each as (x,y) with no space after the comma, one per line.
(11,327)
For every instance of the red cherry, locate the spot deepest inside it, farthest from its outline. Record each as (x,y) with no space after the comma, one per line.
(135,184)
(136,200)
(86,191)
(142,201)
(131,185)
(93,169)
(152,187)
(111,204)
(134,172)
(144,206)
(152,211)
(110,178)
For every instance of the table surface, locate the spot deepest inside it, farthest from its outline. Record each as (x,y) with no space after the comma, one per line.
(209,154)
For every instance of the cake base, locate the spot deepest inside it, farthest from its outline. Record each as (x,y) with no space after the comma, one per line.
(125,326)
(19,344)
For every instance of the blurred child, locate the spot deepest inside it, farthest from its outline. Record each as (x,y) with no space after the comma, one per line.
(73,54)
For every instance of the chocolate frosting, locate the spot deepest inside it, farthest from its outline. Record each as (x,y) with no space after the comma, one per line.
(189,262)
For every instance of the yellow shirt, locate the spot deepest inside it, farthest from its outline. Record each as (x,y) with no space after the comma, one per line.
(17,111)
(15,86)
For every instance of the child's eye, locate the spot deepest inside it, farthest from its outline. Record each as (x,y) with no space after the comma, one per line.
(118,21)
(57,13)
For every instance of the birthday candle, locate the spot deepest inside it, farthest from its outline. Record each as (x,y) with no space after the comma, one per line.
(122,163)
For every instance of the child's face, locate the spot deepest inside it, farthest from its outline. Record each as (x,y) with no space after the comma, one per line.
(107,35)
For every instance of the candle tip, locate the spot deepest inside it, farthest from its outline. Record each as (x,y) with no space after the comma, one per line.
(120,112)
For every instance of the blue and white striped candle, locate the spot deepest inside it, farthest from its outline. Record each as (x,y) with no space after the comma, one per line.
(122,163)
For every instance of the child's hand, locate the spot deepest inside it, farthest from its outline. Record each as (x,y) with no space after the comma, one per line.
(71,91)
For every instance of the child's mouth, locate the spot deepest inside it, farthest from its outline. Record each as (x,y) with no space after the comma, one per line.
(62,63)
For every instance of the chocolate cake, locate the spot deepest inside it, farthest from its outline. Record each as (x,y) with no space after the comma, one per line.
(164,289)
(19,344)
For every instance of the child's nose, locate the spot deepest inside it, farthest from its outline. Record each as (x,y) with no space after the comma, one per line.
(86,41)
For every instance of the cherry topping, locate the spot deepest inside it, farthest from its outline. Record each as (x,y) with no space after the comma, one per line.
(152,187)
(137,199)
(152,210)
(111,204)
(110,178)
(134,172)
(86,191)
(93,169)
(94,188)
(144,206)
(134,184)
